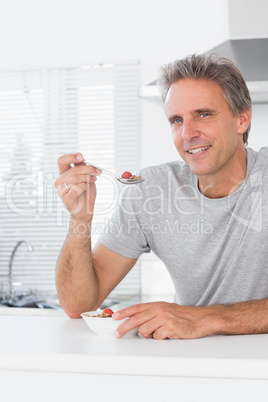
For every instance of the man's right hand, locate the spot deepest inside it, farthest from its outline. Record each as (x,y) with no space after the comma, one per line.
(76,186)
(84,279)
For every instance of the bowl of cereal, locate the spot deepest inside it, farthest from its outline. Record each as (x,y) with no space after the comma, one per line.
(102,323)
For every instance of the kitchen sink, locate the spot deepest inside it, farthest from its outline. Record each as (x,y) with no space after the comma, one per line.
(29,301)
(32,300)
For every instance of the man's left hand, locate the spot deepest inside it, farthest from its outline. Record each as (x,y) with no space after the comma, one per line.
(161,320)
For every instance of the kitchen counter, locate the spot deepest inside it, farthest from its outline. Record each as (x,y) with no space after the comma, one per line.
(32,345)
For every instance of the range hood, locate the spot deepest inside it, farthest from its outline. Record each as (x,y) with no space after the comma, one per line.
(250,55)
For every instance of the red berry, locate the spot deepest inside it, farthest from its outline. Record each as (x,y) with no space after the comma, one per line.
(108,311)
(126,175)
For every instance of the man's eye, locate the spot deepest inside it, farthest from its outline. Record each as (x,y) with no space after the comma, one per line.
(204,114)
(176,121)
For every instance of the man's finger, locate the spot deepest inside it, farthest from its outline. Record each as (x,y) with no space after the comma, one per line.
(64,161)
(130,311)
(137,320)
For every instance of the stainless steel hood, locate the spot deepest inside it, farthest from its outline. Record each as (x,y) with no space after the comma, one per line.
(250,55)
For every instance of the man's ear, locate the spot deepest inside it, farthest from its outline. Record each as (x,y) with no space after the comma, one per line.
(244,121)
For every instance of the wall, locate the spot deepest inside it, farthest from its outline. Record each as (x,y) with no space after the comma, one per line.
(60,32)
(48,32)
(248,19)
(258,134)
(245,19)
(66,32)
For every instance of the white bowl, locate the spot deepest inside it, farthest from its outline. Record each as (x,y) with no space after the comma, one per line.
(105,326)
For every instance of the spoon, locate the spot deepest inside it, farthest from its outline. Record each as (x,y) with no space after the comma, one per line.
(121,179)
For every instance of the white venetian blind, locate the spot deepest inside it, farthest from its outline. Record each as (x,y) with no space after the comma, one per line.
(45,113)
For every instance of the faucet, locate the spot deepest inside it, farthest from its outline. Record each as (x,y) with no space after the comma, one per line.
(10,271)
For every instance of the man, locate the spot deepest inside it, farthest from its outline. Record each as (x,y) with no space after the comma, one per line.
(203,217)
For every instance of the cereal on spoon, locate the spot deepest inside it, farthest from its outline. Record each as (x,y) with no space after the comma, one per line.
(130,176)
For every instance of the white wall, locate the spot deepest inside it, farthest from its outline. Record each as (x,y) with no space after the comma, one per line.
(258,136)
(60,32)
(48,32)
(248,19)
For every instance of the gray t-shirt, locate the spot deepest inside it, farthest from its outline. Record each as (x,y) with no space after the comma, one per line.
(215,250)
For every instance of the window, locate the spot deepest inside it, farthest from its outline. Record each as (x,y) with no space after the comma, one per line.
(45,113)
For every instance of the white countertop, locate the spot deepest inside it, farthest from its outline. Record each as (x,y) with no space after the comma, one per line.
(54,343)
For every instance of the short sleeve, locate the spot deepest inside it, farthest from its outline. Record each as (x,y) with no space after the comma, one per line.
(123,233)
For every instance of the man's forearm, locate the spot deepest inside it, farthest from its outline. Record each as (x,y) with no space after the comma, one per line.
(250,317)
(77,283)
(162,320)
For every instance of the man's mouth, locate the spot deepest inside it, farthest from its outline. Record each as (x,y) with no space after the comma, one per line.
(198,150)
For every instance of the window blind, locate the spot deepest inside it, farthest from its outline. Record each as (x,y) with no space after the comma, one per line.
(44,113)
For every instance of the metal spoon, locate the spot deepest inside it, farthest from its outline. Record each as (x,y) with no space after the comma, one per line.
(121,179)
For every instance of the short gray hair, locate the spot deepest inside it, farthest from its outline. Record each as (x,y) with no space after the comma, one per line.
(214,68)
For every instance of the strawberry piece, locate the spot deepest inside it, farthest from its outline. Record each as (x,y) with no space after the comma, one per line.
(126,175)
(108,311)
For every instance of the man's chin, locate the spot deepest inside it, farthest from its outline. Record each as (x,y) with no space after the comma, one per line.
(198,169)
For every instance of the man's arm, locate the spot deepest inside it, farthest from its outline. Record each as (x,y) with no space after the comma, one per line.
(162,320)
(83,278)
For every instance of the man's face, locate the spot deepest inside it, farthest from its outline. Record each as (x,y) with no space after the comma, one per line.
(205,132)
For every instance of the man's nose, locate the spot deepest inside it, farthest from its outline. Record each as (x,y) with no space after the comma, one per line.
(189,130)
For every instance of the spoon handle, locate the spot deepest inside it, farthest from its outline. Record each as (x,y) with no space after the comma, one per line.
(98,167)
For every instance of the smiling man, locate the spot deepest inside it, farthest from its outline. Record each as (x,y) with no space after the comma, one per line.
(203,216)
